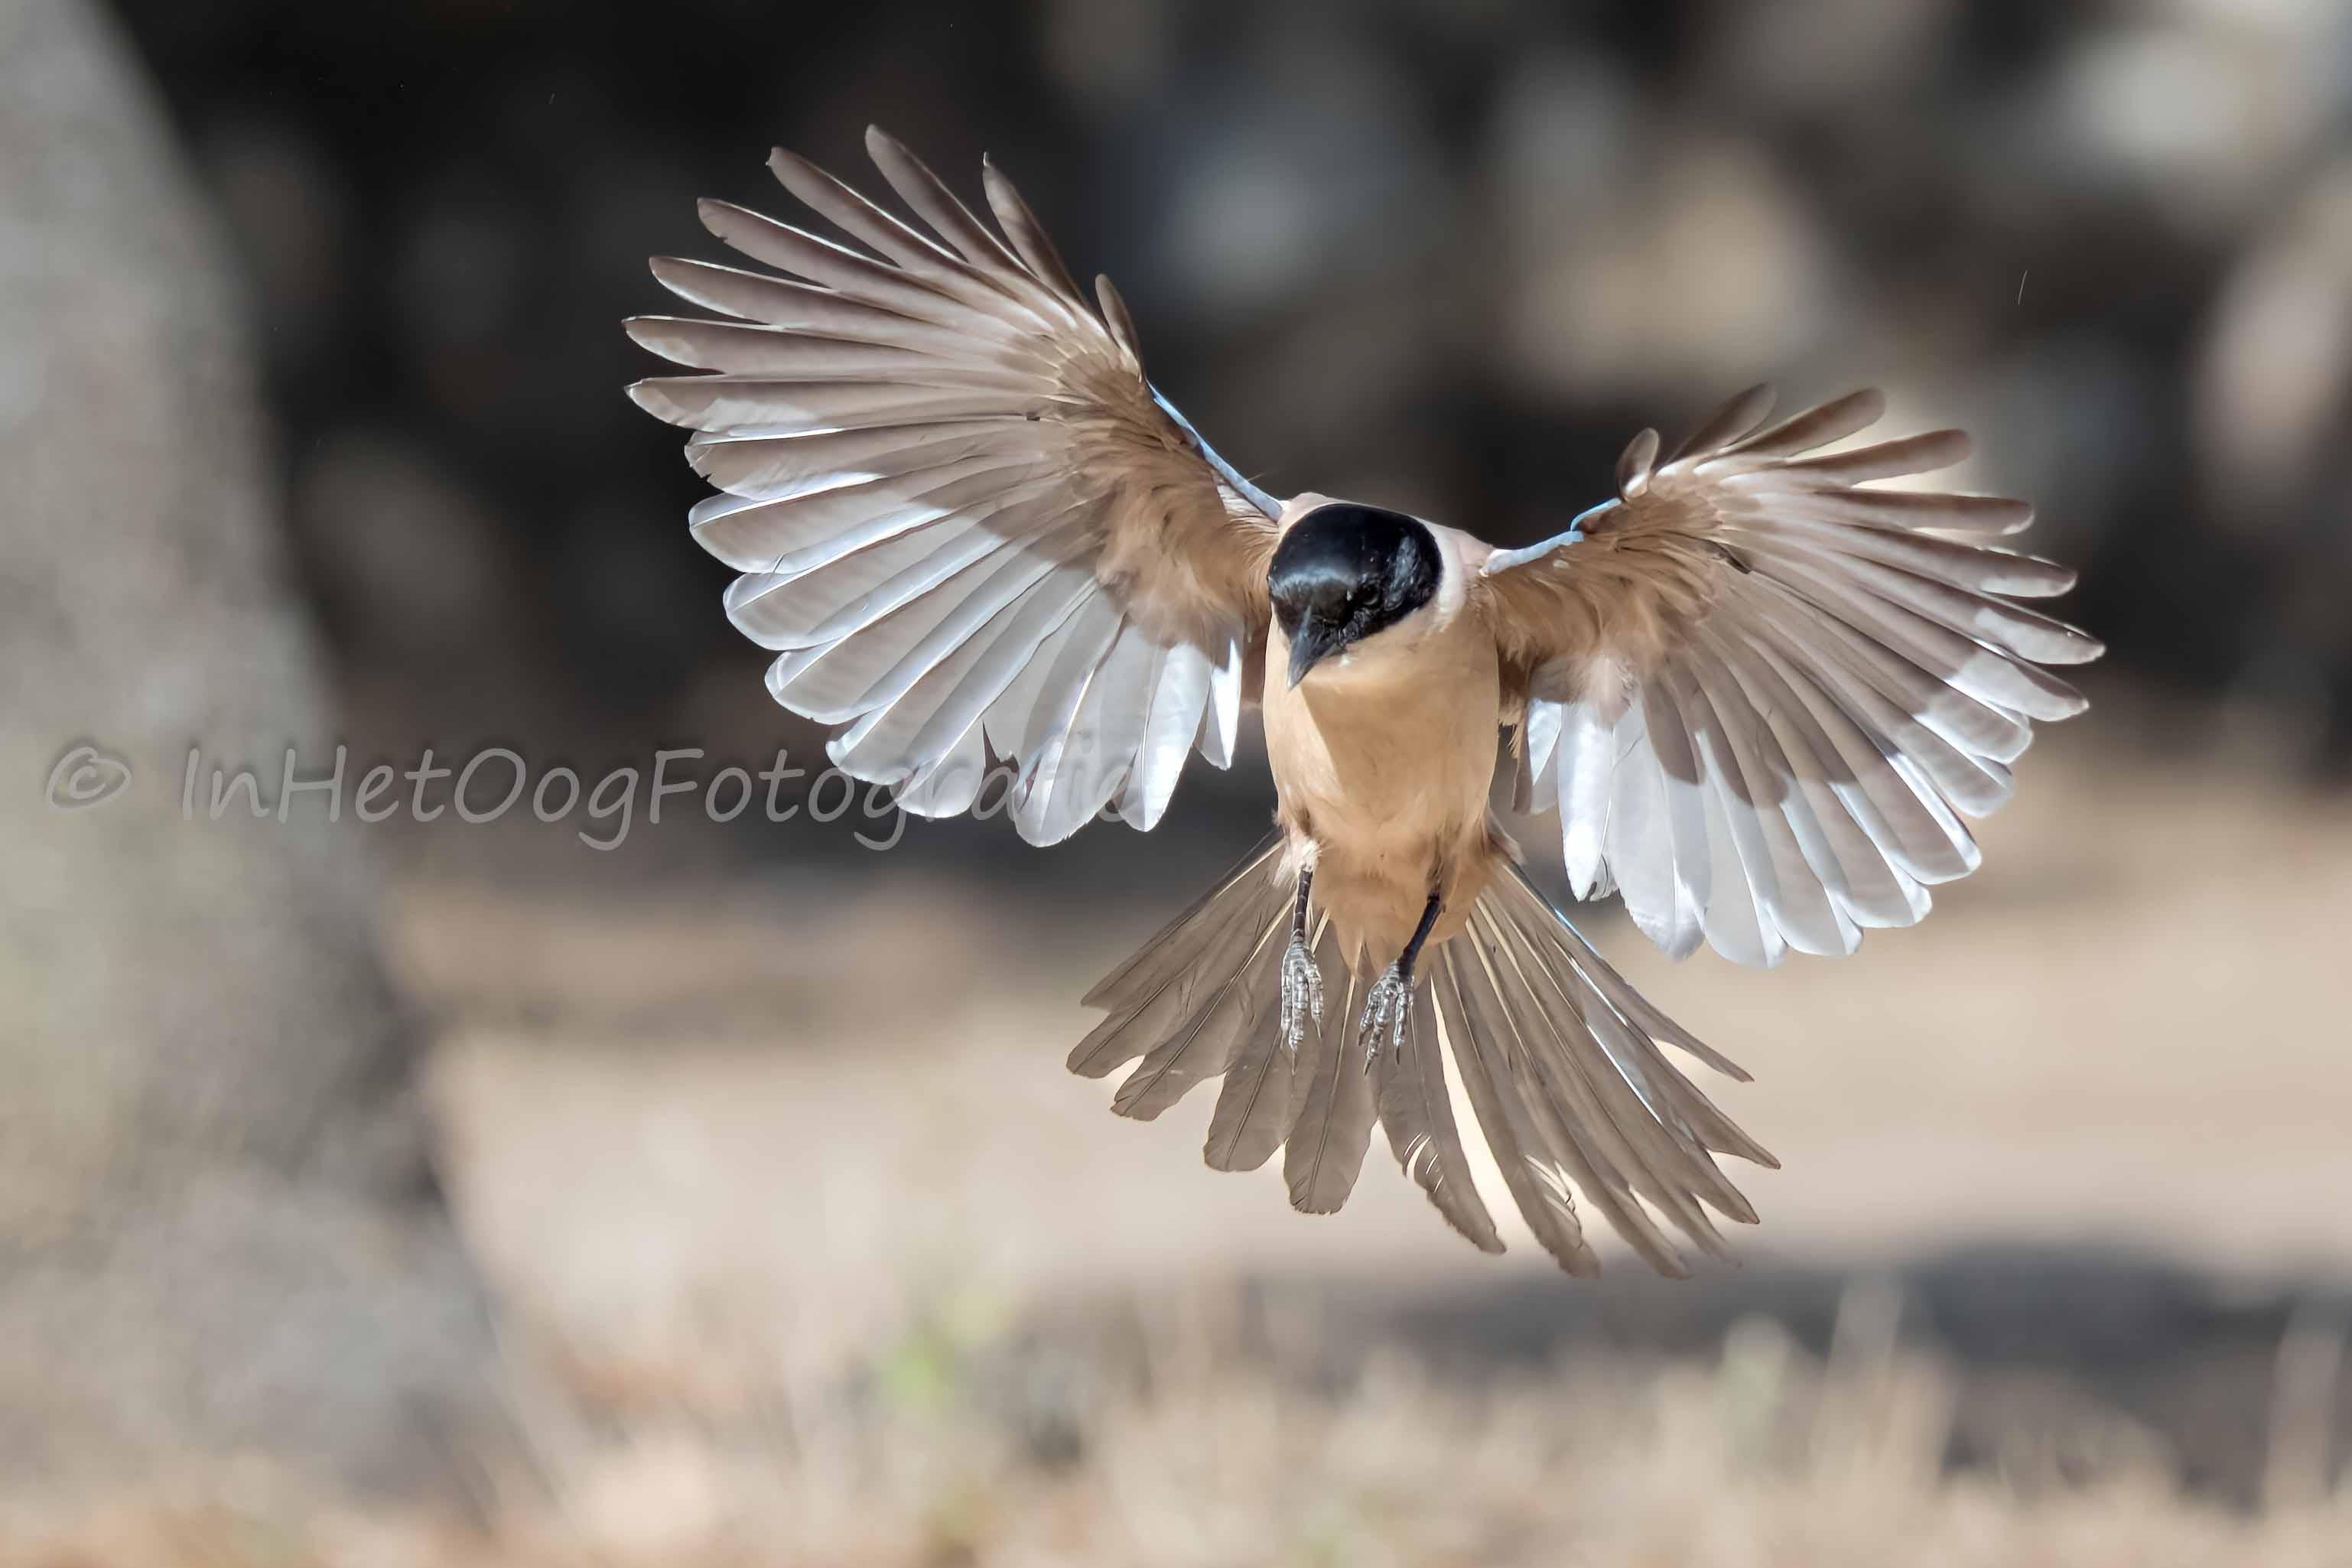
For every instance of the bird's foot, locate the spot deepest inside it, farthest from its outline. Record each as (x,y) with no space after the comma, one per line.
(1302,994)
(1385,1006)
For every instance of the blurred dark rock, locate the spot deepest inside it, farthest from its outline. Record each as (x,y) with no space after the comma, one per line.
(402,551)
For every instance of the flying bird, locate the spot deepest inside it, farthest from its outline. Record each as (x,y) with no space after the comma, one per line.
(1759,694)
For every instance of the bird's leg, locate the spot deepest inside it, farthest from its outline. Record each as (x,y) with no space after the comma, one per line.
(1302,983)
(1390,997)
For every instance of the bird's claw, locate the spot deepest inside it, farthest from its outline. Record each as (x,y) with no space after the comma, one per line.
(1302,994)
(1385,1005)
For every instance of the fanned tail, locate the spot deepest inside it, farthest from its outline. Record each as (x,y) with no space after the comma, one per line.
(1563,1061)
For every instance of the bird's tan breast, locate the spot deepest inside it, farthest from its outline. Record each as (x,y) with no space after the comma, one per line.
(1383,770)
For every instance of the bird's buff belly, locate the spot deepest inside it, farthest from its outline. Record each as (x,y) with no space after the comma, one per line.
(1386,798)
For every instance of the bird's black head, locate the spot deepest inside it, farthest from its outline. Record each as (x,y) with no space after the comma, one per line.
(1344,571)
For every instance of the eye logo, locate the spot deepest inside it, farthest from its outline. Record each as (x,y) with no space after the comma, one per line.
(86,776)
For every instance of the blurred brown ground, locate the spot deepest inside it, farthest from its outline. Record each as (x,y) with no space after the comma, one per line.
(2086,1041)
(724,1156)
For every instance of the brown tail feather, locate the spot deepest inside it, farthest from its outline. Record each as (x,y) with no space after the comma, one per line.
(1558,1056)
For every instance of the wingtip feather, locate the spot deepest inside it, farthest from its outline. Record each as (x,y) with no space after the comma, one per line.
(1121,322)
(715,216)
(646,395)
(1633,465)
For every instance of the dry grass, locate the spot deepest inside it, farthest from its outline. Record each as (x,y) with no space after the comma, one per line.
(950,1450)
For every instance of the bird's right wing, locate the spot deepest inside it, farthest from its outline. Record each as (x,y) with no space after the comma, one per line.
(1761,694)
(965,519)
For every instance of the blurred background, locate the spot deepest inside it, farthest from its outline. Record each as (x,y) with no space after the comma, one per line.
(451,1191)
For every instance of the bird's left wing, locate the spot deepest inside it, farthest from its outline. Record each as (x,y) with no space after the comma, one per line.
(965,519)
(1761,694)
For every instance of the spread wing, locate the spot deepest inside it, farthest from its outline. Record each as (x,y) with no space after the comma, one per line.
(965,519)
(1761,695)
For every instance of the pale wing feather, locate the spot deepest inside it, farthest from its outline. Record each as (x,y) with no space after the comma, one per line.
(1178,701)
(1086,763)
(1220,718)
(876,665)
(939,713)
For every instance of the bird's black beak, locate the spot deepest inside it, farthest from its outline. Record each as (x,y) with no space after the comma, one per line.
(1314,641)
